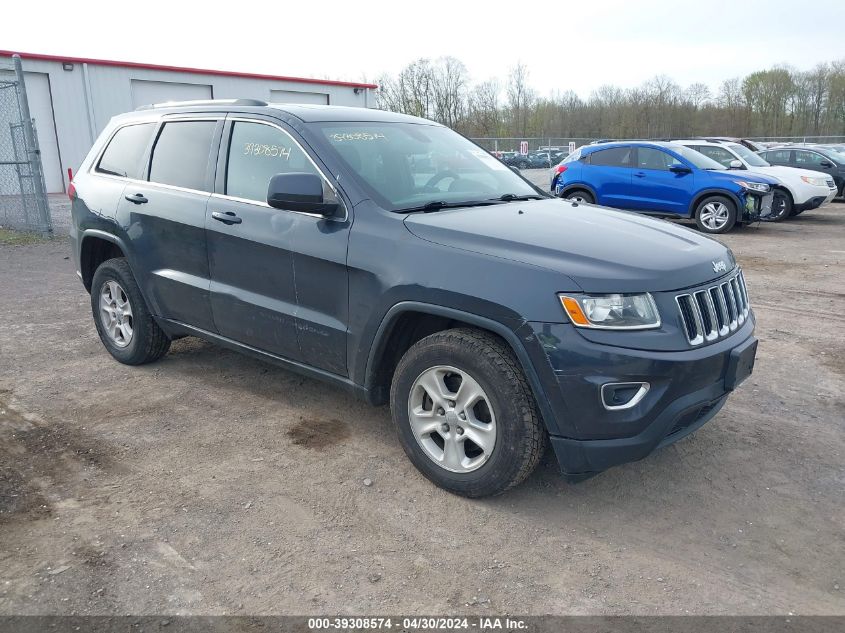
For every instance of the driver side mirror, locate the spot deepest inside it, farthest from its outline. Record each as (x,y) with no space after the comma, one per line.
(826,163)
(679,168)
(735,164)
(299,192)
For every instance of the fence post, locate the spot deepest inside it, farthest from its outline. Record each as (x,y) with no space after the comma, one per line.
(33,153)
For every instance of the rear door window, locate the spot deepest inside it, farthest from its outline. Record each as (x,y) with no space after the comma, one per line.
(780,156)
(612,157)
(125,152)
(180,155)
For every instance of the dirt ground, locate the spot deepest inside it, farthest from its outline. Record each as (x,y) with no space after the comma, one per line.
(210,483)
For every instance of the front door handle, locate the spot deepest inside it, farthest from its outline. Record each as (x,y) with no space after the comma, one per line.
(639,174)
(137,198)
(228,217)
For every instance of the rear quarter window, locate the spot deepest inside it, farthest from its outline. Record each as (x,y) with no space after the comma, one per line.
(125,152)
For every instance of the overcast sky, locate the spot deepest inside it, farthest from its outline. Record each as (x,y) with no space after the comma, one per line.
(566,44)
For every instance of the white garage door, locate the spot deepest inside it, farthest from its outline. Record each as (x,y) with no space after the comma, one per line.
(145,92)
(41,109)
(294,96)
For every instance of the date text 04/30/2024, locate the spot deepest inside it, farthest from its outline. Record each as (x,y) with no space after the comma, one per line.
(416,623)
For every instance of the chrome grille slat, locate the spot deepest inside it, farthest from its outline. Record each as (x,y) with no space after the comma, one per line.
(714,312)
(729,299)
(737,295)
(707,313)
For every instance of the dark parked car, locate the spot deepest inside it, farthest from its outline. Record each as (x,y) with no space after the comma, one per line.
(814,158)
(533,160)
(754,146)
(492,318)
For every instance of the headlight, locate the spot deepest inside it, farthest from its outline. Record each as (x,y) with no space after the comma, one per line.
(754,186)
(612,312)
(816,182)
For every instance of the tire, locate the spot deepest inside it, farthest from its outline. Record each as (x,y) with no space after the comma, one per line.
(579,195)
(504,418)
(723,218)
(522,165)
(134,338)
(782,206)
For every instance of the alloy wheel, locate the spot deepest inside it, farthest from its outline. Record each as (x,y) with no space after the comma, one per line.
(452,419)
(116,313)
(715,215)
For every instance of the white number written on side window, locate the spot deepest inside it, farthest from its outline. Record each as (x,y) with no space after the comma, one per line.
(262,149)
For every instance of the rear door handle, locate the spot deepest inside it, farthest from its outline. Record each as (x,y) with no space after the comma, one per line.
(137,198)
(226,218)
(639,174)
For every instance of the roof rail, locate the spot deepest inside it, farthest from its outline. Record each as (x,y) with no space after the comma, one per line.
(203,102)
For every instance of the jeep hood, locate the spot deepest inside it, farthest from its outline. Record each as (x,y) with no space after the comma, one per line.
(600,249)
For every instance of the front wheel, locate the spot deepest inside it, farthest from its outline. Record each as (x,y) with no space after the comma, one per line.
(465,413)
(782,206)
(715,214)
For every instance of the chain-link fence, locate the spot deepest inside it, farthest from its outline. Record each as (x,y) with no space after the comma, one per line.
(514,144)
(23,201)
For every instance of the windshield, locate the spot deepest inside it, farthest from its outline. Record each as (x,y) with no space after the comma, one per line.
(835,152)
(748,156)
(696,158)
(405,166)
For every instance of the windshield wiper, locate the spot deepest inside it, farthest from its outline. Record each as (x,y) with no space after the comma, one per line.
(436,205)
(510,197)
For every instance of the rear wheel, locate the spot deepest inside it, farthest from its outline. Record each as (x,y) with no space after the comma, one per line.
(465,413)
(580,195)
(125,325)
(782,206)
(715,214)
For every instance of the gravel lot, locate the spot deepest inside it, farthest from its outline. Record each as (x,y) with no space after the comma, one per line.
(211,483)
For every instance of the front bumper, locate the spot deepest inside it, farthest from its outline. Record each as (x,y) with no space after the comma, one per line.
(758,206)
(816,201)
(687,388)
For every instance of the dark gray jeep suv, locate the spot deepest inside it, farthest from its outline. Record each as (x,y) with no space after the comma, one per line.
(392,257)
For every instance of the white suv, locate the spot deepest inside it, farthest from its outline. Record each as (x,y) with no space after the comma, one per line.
(800,190)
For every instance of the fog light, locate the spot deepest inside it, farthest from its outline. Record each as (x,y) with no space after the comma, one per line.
(622,395)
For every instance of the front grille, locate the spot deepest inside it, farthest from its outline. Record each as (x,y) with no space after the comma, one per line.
(713,313)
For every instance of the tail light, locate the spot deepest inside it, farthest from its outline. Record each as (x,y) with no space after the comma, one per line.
(71,190)
(561,168)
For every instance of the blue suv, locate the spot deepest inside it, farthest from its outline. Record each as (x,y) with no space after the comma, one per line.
(665,179)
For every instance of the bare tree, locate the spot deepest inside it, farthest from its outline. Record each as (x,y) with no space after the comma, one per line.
(520,98)
(484,109)
(449,81)
(777,101)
